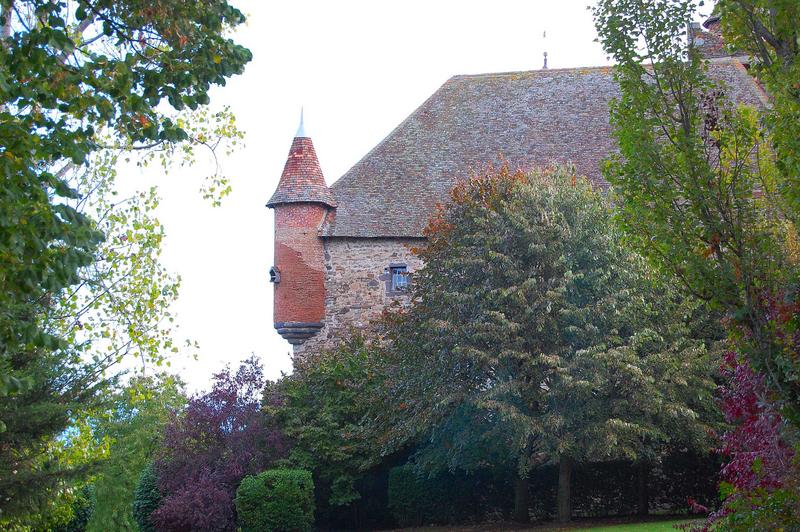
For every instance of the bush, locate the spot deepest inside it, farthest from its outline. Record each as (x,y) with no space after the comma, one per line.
(276,500)
(219,438)
(409,501)
(146,499)
(447,498)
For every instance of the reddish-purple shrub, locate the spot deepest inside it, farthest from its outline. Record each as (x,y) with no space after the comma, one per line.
(759,479)
(759,457)
(221,437)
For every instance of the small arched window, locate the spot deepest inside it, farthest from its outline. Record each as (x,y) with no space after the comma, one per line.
(274,275)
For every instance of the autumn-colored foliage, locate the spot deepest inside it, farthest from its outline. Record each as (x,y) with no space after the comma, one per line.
(221,437)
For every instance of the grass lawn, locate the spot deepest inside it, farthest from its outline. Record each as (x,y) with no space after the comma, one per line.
(652,526)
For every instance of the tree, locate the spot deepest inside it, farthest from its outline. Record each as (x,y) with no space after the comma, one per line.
(321,407)
(709,191)
(221,437)
(133,431)
(700,191)
(767,30)
(77,78)
(146,499)
(73,71)
(535,337)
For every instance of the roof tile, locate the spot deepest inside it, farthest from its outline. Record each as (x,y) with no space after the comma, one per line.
(525,119)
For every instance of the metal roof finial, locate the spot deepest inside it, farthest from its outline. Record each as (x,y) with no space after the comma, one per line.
(301,131)
(544,36)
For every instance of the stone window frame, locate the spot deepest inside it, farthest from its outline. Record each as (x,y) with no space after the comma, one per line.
(387,278)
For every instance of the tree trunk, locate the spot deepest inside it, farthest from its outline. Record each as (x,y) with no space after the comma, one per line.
(642,492)
(521,500)
(564,488)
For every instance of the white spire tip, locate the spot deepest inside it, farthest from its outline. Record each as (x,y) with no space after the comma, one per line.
(301,131)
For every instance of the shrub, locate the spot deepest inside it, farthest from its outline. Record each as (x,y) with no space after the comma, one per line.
(146,499)
(276,500)
(446,498)
(409,501)
(219,438)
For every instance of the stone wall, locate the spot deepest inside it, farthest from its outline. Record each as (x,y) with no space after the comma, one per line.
(356,282)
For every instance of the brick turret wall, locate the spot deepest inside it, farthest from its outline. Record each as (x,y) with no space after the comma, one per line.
(299,256)
(301,203)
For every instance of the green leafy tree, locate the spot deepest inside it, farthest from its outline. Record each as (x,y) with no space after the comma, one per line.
(320,408)
(80,83)
(535,337)
(769,32)
(700,190)
(133,431)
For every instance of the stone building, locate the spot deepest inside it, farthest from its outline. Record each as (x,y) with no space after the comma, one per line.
(342,253)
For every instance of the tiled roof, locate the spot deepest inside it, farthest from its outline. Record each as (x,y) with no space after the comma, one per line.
(524,118)
(302,180)
(709,40)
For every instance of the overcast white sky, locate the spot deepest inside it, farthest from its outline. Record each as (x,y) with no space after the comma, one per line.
(359,68)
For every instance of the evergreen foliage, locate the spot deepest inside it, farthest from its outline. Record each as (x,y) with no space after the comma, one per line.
(146,499)
(276,500)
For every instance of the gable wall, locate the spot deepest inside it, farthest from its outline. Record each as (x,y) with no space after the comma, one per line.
(355,285)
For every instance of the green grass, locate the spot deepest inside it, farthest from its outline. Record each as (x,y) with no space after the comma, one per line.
(652,526)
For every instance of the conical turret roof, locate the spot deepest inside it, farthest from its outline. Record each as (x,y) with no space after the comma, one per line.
(302,180)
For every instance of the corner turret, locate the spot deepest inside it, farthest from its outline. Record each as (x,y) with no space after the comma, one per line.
(301,202)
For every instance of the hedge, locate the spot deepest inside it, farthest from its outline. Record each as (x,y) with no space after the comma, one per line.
(146,499)
(279,500)
(448,498)
(598,490)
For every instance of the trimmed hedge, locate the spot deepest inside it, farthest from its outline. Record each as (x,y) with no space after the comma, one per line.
(279,500)
(146,499)
(447,498)
(598,490)
(409,499)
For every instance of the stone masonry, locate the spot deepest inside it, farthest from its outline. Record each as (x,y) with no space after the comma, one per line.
(358,285)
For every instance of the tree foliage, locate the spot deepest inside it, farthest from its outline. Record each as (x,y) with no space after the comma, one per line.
(72,73)
(709,191)
(321,407)
(133,429)
(219,438)
(769,32)
(699,187)
(534,336)
(82,82)
(146,499)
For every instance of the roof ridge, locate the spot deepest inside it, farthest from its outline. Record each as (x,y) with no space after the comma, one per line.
(533,71)
(727,59)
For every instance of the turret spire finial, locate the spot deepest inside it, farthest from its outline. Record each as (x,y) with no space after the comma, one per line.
(301,130)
